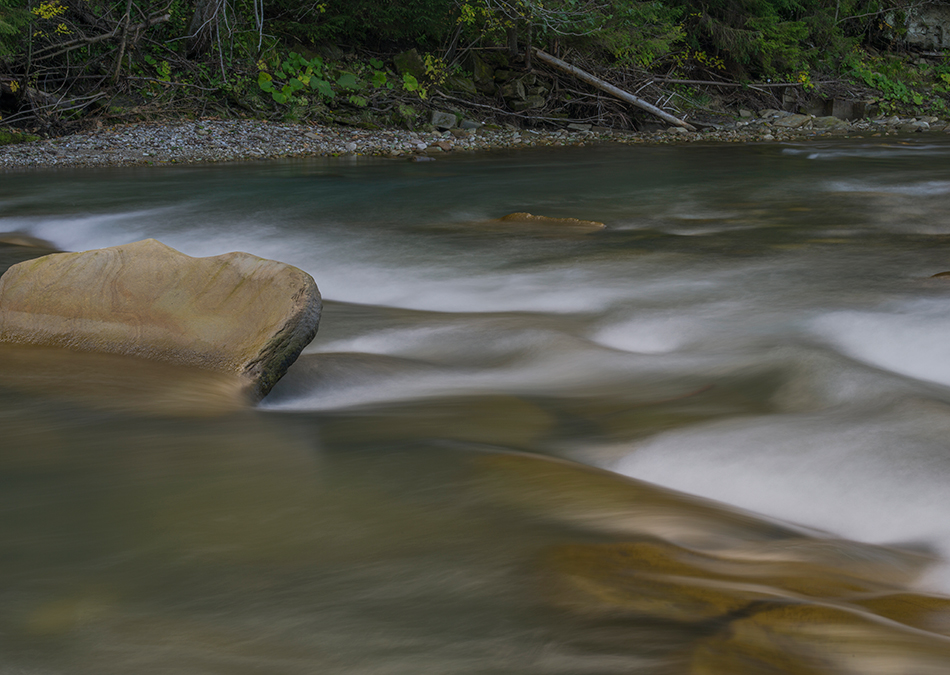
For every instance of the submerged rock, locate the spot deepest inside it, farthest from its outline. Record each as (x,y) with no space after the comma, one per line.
(561,223)
(810,639)
(741,595)
(667,581)
(234,313)
(926,612)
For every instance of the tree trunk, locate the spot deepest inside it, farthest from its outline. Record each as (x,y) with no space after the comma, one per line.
(528,48)
(512,33)
(203,26)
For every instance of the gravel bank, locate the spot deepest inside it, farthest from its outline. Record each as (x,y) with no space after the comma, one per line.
(224,141)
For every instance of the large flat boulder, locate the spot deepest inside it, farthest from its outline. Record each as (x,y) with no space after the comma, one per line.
(234,313)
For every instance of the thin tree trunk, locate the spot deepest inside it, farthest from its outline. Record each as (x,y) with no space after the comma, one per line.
(453,45)
(512,33)
(126,19)
(610,89)
(528,49)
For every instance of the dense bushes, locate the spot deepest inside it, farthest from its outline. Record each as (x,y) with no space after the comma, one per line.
(768,38)
(68,56)
(375,24)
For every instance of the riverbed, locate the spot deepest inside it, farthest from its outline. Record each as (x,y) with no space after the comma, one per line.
(440,483)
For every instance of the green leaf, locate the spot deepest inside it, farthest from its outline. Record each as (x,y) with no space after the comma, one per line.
(358,101)
(375,63)
(279,97)
(379,79)
(409,82)
(295,84)
(322,87)
(348,81)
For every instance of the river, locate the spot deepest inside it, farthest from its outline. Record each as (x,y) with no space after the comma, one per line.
(440,483)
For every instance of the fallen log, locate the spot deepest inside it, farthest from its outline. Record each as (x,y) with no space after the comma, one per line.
(610,89)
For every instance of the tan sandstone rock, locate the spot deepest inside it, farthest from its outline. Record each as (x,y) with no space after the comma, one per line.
(234,313)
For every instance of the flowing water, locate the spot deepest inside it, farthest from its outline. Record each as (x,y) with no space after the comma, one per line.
(757,325)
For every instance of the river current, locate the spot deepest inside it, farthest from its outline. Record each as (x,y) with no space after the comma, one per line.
(440,483)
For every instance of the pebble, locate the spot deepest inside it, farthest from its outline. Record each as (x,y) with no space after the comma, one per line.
(233,140)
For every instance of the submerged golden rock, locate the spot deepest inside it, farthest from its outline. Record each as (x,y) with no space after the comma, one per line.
(927,612)
(572,224)
(630,580)
(812,639)
(661,579)
(235,313)
(744,595)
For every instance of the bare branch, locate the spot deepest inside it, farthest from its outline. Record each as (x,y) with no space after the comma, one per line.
(78,43)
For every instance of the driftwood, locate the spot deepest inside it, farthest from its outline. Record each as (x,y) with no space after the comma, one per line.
(610,89)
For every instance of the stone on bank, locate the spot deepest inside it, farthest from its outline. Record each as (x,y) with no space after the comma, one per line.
(235,313)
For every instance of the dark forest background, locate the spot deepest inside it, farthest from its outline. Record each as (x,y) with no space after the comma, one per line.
(68,63)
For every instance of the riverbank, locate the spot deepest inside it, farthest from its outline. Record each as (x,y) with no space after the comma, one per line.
(207,141)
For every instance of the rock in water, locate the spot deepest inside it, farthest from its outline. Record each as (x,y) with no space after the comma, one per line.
(563,223)
(232,313)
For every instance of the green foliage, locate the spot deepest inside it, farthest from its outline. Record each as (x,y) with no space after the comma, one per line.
(379,79)
(641,33)
(8,136)
(348,81)
(372,23)
(890,77)
(292,80)
(162,68)
(628,32)
(249,63)
(411,84)
(753,38)
(13,19)
(291,76)
(769,38)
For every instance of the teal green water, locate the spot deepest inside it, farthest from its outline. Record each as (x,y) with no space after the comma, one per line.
(756,325)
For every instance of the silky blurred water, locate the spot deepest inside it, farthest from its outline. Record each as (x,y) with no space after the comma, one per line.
(757,325)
